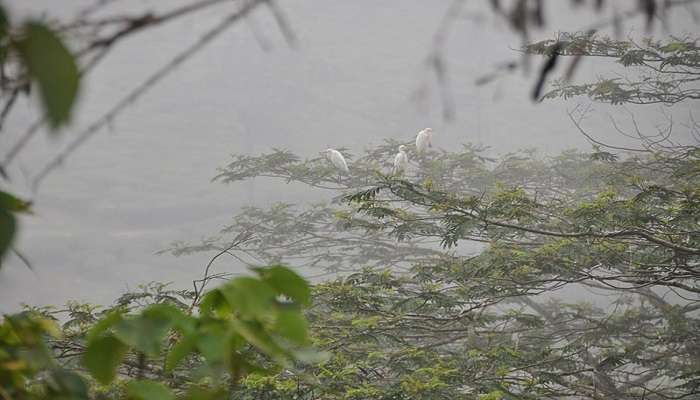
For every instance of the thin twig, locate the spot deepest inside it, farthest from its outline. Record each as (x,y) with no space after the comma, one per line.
(198,290)
(136,93)
(102,47)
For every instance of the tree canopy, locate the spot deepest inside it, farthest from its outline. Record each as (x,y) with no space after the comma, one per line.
(481,320)
(461,277)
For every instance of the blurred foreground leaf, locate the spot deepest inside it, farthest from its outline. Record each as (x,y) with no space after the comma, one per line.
(103,356)
(53,67)
(148,390)
(8,226)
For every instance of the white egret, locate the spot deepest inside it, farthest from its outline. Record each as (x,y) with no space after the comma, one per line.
(337,159)
(400,160)
(424,140)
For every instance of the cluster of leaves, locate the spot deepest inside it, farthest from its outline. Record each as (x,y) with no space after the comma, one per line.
(461,250)
(9,205)
(470,244)
(25,358)
(524,15)
(321,236)
(463,325)
(451,197)
(666,71)
(397,337)
(151,345)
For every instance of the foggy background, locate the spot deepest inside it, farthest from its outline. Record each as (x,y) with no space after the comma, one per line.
(135,188)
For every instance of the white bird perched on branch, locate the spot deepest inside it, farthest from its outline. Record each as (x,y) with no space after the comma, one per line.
(424,140)
(337,159)
(400,161)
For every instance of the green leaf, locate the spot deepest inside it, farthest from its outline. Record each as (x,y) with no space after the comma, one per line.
(179,351)
(214,301)
(8,226)
(286,282)
(212,342)
(249,296)
(292,326)
(254,333)
(240,365)
(148,390)
(67,385)
(177,317)
(108,321)
(145,332)
(11,203)
(53,67)
(103,356)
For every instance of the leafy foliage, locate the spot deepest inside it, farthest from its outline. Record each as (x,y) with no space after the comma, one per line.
(159,350)
(53,67)
(9,205)
(24,357)
(666,70)
(467,309)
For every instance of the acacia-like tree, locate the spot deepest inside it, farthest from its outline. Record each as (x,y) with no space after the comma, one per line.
(462,266)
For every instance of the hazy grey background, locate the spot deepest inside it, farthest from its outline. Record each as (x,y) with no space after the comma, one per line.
(145,182)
